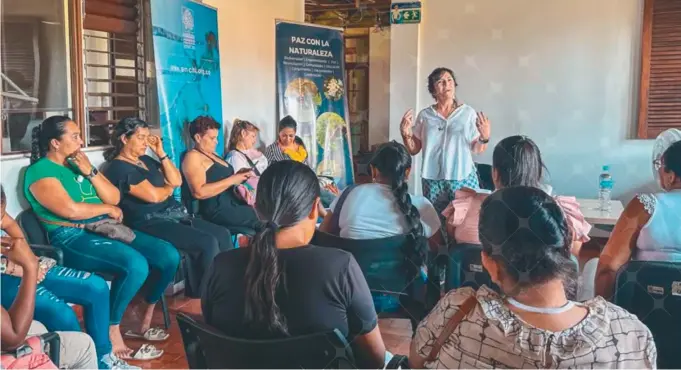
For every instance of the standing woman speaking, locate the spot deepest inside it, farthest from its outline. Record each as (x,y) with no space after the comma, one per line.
(448,132)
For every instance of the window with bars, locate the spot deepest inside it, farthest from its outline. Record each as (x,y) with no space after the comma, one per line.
(660,99)
(114,65)
(35,82)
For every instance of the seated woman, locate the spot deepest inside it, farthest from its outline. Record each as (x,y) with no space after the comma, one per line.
(147,187)
(383,208)
(526,245)
(648,229)
(291,147)
(288,145)
(57,286)
(76,206)
(77,351)
(516,161)
(213,181)
(324,289)
(242,154)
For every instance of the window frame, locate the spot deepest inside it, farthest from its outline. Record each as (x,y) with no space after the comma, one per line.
(71,8)
(74,17)
(643,129)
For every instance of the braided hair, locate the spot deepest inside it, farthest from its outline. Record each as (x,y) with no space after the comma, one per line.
(393,161)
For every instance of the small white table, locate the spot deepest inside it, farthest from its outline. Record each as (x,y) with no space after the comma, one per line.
(595,216)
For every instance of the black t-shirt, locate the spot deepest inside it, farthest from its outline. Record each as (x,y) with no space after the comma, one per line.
(325,290)
(123,174)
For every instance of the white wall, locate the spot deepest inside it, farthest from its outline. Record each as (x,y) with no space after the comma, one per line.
(247,52)
(379,86)
(565,73)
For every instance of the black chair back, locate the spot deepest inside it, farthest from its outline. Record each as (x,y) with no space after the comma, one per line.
(465,268)
(485,176)
(652,291)
(382,260)
(33,229)
(207,348)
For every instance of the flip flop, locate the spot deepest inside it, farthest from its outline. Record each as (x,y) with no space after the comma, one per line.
(151,335)
(145,353)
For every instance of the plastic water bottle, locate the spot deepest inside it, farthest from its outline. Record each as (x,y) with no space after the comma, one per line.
(605,184)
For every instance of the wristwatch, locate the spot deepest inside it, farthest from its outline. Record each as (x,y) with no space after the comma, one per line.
(483,141)
(93,173)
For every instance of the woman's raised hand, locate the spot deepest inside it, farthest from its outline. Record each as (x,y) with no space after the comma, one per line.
(406,124)
(483,126)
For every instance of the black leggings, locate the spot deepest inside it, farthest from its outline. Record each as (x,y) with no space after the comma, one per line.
(198,240)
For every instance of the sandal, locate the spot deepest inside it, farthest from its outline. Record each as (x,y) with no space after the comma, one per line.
(145,353)
(151,335)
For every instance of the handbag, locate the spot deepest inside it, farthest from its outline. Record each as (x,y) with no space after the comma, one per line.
(107,227)
(453,322)
(174,213)
(30,355)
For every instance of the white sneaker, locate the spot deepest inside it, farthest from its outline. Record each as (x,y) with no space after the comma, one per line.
(114,363)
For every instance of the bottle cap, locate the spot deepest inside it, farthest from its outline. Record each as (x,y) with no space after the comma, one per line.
(606,168)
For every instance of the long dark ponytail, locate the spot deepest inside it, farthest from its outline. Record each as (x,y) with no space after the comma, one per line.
(51,128)
(286,194)
(125,127)
(392,160)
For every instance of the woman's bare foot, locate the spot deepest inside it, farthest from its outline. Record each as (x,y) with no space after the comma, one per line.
(119,348)
(147,315)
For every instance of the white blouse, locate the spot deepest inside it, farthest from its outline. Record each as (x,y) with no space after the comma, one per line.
(446,142)
(660,237)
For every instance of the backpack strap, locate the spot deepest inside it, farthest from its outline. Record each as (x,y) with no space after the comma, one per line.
(250,162)
(453,322)
(335,216)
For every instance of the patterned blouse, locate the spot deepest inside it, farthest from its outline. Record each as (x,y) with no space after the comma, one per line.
(493,336)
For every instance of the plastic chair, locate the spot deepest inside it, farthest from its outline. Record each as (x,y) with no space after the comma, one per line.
(386,270)
(485,176)
(652,291)
(464,268)
(37,238)
(207,348)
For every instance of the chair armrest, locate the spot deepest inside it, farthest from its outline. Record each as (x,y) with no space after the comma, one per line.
(398,362)
(42,250)
(54,342)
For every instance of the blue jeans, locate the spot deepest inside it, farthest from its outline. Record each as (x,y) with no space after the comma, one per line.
(130,264)
(61,286)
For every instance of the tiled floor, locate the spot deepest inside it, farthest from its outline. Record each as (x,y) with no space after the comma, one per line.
(396,335)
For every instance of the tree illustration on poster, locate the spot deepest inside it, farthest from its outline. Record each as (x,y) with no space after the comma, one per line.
(311,88)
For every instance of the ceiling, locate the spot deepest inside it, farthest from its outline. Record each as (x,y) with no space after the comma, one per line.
(321,6)
(348,13)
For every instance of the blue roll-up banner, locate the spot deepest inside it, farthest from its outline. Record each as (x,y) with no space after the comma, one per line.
(311,88)
(187,62)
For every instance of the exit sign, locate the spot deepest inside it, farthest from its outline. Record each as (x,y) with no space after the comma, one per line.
(401,13)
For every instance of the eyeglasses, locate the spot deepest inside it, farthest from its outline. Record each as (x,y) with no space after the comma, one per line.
(657,164)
